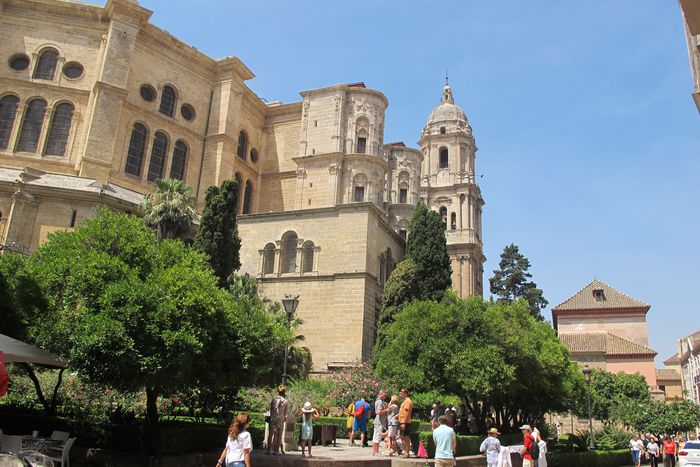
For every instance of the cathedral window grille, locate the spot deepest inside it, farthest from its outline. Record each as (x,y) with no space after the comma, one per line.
(242,144)
(289,252)
(158,154)
(59,130)
(32,123)
(167,101)
(46,65)
(443,216)
(137,150)
(269,259)
(8,113)
(453,221)
(179,164)
(307,256)
(361,145)
(444,158)
(248,197)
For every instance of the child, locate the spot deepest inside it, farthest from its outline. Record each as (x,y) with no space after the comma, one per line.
(491,447)
(307,413)
(393,421)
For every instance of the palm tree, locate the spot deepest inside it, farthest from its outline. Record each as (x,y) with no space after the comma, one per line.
(170,209)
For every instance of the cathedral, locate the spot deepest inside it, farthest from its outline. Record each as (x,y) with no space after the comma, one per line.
(96,103)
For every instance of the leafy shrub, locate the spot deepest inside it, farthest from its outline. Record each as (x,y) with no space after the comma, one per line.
(355,381)
(423,403)
(611,438)
(589,459)
(467,445)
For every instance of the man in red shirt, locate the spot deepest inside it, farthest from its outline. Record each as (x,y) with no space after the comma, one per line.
(669,448)
(528,441)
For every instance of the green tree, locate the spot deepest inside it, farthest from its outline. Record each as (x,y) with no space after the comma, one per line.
(170,209)
(427,247)
(512,281)
(491,355)
(398,289)
(136,314)
(610,390)
(218,230)
(657,417)
(20,296)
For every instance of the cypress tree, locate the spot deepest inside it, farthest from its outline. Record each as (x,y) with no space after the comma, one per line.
(218,230)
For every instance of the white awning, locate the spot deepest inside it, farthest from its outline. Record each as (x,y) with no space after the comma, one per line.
(18,351)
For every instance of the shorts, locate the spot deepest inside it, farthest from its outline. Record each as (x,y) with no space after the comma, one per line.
(360,425)
(445,463)
(378,434)
(236,464)
(393,431)
(635,456)
(405,429)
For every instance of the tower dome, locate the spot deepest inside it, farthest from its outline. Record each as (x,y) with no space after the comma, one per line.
(447,116)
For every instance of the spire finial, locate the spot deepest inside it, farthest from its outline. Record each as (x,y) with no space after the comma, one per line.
(447,82)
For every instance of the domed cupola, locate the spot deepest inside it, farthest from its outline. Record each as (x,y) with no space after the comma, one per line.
(446,117)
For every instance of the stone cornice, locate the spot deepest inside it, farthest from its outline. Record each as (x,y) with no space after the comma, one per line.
(348,89)
(129,9)
(92,13)
(283,113)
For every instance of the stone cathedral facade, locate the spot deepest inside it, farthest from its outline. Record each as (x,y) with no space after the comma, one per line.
(96,103)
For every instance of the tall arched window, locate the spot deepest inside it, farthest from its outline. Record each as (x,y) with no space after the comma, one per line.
(389,268)
(179,165)
(307,256)
(248,197)
(444,158)
(137,150)
(31,126)
(46,65)
(453,221)
(269,258)
(168,98)
(239,193)
(158,154)
(443,216)
(382,268)
(8,112)
(289,252)
(59,129)
(242,144)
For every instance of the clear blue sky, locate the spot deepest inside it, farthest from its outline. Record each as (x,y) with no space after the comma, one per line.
(589,141)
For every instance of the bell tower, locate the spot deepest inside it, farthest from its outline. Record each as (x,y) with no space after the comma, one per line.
(448,186)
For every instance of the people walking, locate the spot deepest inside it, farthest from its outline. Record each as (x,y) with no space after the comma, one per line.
(362,410)
(445,443)
(636,449)
(307,413)
(380,421)
(405,414)
(653,451)
(238,444)
(491,446)
(393,424)
(279,408)
(670,450)
(528,446)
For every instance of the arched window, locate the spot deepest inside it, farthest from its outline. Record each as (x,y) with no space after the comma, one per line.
(389,268)
(239,181)
(382,268)
(362,131)
(444,158)
(137,150)
(242,144)
(307,256)
(443,216)
(248,197)
(359,183)
(269,258)
(402,234)
(46,65)
(8,112)
(31,126)
(168,99)
(289,252)
(59,129)
(254,155)
(453,221)
(179,165)
(158,154)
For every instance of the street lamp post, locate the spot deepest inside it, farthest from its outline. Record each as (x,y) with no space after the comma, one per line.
(587,374)
(290,303)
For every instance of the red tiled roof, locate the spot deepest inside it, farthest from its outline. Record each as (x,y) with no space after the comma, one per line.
(603,342)
(610,298)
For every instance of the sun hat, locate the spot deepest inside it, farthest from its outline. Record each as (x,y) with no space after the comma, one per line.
(525,427)
(307,407)
(493,431)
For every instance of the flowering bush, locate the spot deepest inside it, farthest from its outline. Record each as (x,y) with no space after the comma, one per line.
(353,382)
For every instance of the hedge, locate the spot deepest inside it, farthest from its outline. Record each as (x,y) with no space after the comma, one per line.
(589,459)
(467,445)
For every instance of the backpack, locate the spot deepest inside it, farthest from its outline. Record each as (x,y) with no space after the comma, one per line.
(535,451)
(360,411)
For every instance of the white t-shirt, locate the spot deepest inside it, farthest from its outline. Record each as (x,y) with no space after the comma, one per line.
(637,445)
(653,448)
(236,447)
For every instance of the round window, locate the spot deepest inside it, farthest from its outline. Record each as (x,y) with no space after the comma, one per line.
(19,62)
(148,93)
(73,70)
(187,112)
